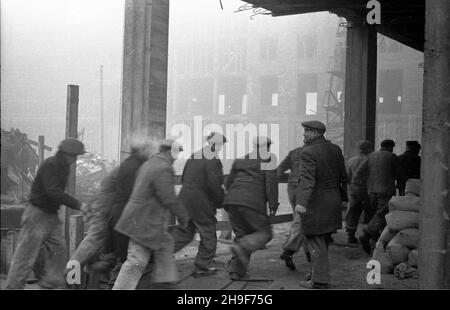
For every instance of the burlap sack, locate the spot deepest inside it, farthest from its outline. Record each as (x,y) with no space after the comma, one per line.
(398,220)
(413,258)
(387,267)
(397,252)
(386,236)
(413,187)
(408,238)
(404,203)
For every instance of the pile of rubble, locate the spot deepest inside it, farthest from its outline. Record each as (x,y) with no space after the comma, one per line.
(397,247)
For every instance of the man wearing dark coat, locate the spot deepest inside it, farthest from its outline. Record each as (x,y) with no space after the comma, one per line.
(144,220)
(322,181)
(296,238)
(140,148)
(252,186)
(410,164)
(383,170)
(358,199)
(202,194)
(41,234)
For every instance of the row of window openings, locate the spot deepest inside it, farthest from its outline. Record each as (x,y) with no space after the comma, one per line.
(311,103)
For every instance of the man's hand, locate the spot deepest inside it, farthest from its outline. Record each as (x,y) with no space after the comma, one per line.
(300,209)
(273,208)
(85,212)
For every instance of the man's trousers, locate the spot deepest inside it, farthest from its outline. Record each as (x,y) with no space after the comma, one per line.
(41,236)
(318,247)
(164,267)
(296,236)
(182,236)
(357,203)
(252,230)
(378,221)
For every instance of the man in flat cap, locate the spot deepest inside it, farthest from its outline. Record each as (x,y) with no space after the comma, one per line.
(410,164)
(383,170)
(42,230)
(202,194)
(252,187)
(144,220)
(322,180)
(358,199)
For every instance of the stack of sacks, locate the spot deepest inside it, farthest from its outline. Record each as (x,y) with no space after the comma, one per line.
(399,240)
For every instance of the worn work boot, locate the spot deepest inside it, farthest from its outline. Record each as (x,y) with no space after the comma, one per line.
(203,271)
(239,253)
(313,285)
(365,243)
(351,237)
(287,257)
(308,276)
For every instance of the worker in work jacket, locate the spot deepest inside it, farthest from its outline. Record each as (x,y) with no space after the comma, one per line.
(126,176)
(358,199)
(295,239)
(383,170)
(144,220)
(252,186)
(202,194)
(410,164)
(42,230)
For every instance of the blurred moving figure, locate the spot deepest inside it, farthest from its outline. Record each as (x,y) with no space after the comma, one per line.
(202,194)
(252,186)
(144,220)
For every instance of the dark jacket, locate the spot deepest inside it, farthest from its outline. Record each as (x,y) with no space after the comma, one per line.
(202,191)
(382,169)
(144,218)
(410,165)
(356,184)
(124,184)
(250,186)
(322,179)
(291,162)
(48,189)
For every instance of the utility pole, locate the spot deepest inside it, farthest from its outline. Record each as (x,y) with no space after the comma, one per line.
(102,125)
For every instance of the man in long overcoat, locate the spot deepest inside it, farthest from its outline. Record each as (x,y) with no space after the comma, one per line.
(322,182)
(144,220)
(202,194)
(251,186)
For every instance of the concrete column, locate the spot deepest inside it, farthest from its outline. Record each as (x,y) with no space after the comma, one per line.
(144,85)
(360,86)
(434,258)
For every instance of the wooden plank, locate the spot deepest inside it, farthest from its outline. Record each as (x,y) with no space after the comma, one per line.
(47,148)
(10,247)
(76,233)
(41,149)
(71,132)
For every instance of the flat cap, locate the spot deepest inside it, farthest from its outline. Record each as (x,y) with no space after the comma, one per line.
(387,143)
(261,140)
(365,145)
(413,144)
(314,125)
(170,144)
(216,137)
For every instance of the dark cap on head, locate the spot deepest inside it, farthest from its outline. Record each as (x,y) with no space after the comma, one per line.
(216,137)
(387,143)
(413,145)
(170,144)
(365,146)
(72,146)
(317,125)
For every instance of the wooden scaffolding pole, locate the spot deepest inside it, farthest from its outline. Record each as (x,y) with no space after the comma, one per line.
(434,258)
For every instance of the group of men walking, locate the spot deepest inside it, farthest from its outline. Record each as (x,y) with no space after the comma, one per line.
(129,216)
